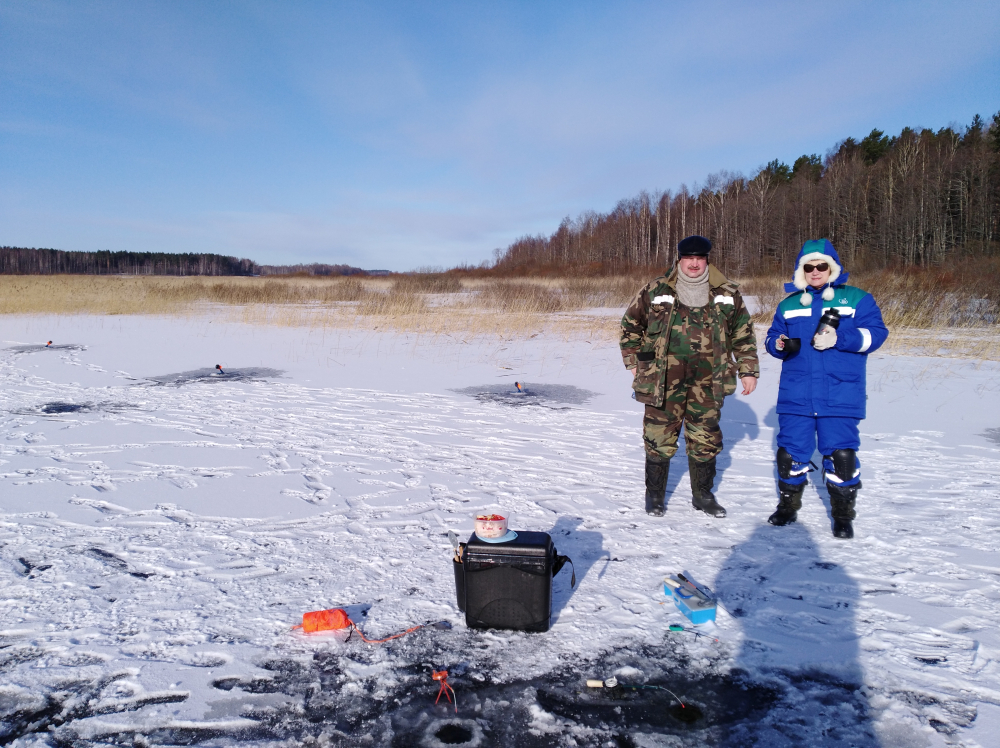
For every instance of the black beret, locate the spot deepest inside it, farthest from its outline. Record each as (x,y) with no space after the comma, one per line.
(694,246)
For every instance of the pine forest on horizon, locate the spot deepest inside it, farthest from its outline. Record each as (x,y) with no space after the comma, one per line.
(911,199)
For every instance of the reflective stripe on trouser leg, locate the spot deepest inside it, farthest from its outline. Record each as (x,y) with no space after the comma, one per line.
(838,433)
(791,471)
(851,478)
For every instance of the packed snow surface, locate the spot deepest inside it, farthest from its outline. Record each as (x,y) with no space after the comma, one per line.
(161,533)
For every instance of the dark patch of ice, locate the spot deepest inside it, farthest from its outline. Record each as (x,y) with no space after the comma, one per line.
(58,408)
(22,349)
(52,717)
(30,567)
(247,374)
(720,707)
(545,395)
(993,435)
(108,558)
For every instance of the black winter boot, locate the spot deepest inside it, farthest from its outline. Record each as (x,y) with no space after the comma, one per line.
(842,508)
(702,480)
(789,503)
(656,485)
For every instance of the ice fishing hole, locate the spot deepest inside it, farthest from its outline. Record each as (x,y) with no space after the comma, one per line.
(688,714)
(246,374)
(556,396)
(463,732)
(453,734)
(58,407)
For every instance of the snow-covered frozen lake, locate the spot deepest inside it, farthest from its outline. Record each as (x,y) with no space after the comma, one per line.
(162,528)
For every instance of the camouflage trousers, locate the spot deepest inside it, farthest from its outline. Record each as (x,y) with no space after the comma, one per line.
(688,401)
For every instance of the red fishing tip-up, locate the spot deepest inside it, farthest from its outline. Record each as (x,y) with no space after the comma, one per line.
(441,676)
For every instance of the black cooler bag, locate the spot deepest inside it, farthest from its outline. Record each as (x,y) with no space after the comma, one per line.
(508,585)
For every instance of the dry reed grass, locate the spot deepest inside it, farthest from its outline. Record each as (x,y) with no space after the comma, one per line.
(427,283)
(96,294)
(928,314)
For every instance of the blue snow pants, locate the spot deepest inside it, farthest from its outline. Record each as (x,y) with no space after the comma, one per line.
(799,434)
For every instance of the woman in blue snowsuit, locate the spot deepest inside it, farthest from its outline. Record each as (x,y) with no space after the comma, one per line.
(821,395)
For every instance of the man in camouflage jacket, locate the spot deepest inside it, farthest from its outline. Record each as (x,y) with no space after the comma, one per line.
(686,336)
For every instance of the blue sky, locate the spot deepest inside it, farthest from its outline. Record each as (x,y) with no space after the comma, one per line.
(403,135)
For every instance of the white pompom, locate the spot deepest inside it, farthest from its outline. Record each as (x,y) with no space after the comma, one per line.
(828,293)
(805,299)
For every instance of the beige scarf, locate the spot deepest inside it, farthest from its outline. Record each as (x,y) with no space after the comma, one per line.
(692,292)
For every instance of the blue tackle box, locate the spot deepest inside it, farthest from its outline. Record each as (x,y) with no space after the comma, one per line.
(695,608)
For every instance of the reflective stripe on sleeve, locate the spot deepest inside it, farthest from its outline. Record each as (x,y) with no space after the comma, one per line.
(866,340)
(798,313)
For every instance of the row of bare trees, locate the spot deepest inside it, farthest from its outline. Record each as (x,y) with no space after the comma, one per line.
(912,199)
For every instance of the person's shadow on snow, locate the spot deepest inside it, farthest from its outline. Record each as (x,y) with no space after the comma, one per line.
(584,547)
(797,612)
(737,421)
(771,421)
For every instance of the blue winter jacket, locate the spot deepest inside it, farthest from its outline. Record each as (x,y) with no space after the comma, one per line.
(830,382)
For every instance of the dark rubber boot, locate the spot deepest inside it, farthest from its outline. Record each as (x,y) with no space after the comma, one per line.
(702,480)
(656,485)
(842,508)
(789,503)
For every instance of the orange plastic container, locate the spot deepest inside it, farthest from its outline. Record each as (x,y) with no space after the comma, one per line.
(333,619)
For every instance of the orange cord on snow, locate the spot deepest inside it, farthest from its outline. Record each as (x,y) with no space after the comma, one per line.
(388,638)
(336,619)
(442,677)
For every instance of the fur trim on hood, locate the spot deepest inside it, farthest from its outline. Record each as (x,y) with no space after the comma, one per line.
(816,250)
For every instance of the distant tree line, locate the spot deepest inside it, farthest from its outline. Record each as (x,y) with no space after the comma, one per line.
(23,261)
(316,269)
(911,199)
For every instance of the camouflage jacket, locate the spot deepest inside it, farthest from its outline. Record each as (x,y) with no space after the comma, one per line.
(646,341)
